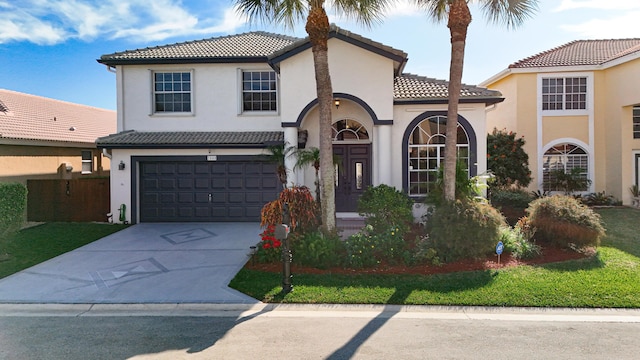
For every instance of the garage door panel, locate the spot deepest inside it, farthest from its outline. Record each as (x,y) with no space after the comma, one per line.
(219,183)
(202,183)
(168,168)
(235,183)
(236,168)
(205,191)
(168,184)
(186,197)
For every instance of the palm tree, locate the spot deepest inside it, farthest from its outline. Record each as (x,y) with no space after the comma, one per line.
(288,12)
(277,155)
(510,12)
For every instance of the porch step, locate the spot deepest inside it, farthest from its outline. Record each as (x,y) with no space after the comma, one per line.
(349,225)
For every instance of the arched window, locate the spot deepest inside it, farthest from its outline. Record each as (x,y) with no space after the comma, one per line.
(349,130)
(426,153)
(564,158)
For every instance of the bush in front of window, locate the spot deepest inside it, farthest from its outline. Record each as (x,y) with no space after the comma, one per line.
(507,160)
(318,250)
(563,221)
(464,229)
(385,206)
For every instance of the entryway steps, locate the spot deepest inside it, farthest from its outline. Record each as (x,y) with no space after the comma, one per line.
(348,226)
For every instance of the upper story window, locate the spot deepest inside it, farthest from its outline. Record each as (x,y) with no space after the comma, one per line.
(636,122)
(564,93)
(259,91)
(87,162)
(172,92)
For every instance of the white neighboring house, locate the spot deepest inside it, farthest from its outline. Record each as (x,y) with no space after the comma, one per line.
(195,119)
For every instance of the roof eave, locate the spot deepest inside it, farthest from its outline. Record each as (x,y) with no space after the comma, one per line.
(186,146)
(191,60)
(430,101)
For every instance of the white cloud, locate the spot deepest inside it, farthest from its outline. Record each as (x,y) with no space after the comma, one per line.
(598,4)
(624,26)
(54,21)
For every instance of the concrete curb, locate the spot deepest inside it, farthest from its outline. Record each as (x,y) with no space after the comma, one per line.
(244,311)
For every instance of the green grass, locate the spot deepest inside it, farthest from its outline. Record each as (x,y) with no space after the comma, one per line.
(40,243)
(609,279)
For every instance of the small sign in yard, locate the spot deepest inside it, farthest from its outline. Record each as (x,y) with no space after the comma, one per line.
(499,249)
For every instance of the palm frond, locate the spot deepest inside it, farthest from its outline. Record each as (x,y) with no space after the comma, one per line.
(437,10)
(511,13)
(366,12)
(285,12)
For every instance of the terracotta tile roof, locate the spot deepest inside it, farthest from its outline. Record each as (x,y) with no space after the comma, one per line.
(581,52)
(175,139)
(30,117)
(257,44)
(411,87)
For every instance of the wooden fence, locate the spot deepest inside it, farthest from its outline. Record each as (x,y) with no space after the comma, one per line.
(77,200)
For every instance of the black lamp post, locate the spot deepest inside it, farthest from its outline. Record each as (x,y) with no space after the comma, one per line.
(282,234)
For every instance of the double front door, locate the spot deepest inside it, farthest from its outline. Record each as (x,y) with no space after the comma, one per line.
(353,174)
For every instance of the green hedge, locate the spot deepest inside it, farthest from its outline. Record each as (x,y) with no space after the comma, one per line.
(13,202)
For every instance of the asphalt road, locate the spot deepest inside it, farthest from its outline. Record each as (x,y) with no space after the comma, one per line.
(312,333)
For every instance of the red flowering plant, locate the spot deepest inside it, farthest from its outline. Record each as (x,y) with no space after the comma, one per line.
(269,248)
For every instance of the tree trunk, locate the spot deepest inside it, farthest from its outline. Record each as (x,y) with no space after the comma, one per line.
(318,29)
(459,20)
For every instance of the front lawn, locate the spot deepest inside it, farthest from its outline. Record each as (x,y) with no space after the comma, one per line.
(34,245)
(609,279)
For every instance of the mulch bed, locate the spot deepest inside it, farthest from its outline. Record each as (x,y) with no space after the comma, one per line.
(549,255)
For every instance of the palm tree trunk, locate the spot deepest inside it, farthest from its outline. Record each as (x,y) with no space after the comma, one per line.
(318,29)
(459,20)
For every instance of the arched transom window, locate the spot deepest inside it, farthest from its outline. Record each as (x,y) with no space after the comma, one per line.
(426,153)
(565,158)
(349,130)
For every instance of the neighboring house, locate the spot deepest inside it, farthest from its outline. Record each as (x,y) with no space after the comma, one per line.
(577,106)
(43,138)
(195,118)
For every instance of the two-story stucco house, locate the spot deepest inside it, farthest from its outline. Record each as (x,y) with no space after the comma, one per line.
(195,119)
(578,106)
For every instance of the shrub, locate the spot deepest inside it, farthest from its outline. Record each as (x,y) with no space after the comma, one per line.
(564,221)
(507,159)
(464,229)
(316,249)
(269,249)
(303,210)
(370,247)
(511,202)
(517,198)
(466,187)
(361,250)
(519,240)
(13,202)
(384,206)
(423,253)
(599,199)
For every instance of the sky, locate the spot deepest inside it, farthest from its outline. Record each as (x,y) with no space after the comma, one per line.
(49,47)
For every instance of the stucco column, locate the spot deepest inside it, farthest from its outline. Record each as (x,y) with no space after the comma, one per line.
(291,140)
(382,156)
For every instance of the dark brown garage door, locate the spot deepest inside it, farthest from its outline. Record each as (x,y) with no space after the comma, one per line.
(193,191)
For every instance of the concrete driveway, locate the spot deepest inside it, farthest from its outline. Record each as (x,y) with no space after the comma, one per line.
(145,263)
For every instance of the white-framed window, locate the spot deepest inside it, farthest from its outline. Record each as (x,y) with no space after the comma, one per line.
(87,161)
(636,122)
(426,153)
(259,91)
(172,92)
(565,158)
(564,93)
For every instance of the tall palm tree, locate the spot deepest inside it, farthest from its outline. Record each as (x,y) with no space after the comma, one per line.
(287,13)
(512,13)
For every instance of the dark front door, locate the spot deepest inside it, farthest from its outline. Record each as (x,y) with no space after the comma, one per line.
(353,174)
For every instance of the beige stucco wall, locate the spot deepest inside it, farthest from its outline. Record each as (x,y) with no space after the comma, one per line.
(20,163)
(558,127)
